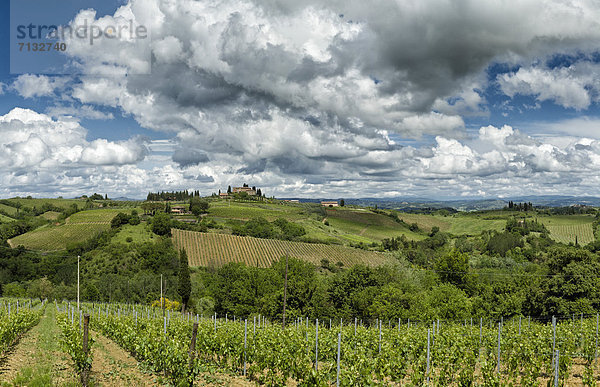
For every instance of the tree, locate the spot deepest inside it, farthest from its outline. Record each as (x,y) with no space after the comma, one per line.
(161,224)
(185,284)
(342,203)
(228,189)
(119,219)
(453,267)
(198,206)
(40,288)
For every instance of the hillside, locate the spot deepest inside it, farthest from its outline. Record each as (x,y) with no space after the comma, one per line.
(77,228)
(210,249)
(342,225)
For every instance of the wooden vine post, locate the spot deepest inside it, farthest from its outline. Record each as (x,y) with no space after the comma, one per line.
(85,373)
(191,353)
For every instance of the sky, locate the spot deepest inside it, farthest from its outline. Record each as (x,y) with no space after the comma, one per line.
(312,99)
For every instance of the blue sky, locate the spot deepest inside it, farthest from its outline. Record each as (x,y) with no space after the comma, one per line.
(388,100)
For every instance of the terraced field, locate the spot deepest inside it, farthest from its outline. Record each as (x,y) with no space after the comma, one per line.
(207,249)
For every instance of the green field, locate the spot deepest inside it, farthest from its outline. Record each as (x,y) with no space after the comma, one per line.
(50,215)
(96,216)
(56,238)
(8,209)
(5,219)
(62,203)
(564,228)
(333,225)
(77,228)
(358,225)
(245,211)
(138,234)
(210,249)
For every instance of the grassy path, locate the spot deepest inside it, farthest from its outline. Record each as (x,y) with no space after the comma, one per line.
(38,359)
(113,366)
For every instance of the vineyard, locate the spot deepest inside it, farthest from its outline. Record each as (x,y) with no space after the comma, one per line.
(567,233)
(16,317)
(205,249)
(56,238)
(77,228)
(519,351)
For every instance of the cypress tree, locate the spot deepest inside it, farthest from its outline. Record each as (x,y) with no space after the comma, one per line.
(185,283)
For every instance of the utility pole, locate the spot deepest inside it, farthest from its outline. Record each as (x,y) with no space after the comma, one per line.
(78,283)
(285,289)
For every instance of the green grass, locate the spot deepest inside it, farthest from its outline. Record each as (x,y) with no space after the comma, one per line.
(5,219)
(62,203)
(246,211)
(96,216)
(138,233)
(8,209)
(50,215)
(358,225)
(46,363)
(470,224)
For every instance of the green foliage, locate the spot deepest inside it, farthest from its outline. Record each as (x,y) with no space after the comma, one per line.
(453,267)
(501,243)
(161,224)
(184,287)
(198,206)
(13,325)
(256,227)
(120,219)
(72,342)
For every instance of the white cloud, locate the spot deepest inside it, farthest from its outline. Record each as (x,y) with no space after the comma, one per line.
(560,85)
(32,142)
(311,96)
(30,85)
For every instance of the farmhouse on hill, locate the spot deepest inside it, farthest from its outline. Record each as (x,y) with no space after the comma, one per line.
(248,190)
(329,204)
(178,210)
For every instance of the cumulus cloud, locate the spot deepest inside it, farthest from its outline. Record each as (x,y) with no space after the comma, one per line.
(31,86)
(317,95)
(32,142)
(575,86)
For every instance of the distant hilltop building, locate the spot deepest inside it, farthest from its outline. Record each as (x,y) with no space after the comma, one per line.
(330,204)
(178,210)
(248,190)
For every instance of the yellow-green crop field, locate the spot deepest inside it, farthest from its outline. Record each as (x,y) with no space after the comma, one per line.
(211,249)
